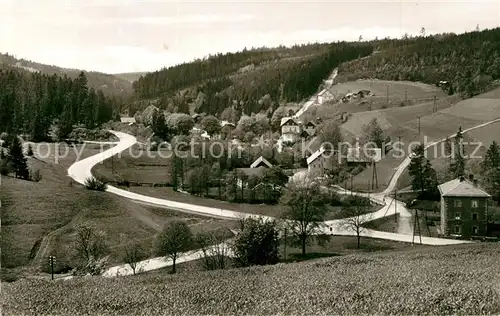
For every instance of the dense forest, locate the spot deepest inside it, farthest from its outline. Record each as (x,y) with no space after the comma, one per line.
(468,62)
(32,102)
(243,79)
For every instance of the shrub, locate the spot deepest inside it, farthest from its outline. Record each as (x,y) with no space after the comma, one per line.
(35,175)
(5,168)
(95,184)
(257,244)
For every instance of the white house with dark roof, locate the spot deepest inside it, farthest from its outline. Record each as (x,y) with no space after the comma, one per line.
(464,209)
(290,129)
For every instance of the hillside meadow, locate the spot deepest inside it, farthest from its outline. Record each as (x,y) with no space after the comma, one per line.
(462,280)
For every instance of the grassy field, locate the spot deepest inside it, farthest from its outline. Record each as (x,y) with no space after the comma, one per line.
(416,94)
(259,209)
(432,281)
(38,219)
(436,126)
(136,165)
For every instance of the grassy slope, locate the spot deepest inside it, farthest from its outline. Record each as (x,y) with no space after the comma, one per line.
(42,216)
(434,126)
(443,280)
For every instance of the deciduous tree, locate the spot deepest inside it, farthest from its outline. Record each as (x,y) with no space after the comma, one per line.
(174,240)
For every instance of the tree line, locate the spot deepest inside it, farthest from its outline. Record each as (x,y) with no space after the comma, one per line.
(34,103)
(215,83)
(258,241)
(468,62)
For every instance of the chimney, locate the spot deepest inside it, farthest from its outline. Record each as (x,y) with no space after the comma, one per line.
(471,177)
(461,178)
(475,182)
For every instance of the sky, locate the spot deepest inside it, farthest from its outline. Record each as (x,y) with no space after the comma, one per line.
(115,36)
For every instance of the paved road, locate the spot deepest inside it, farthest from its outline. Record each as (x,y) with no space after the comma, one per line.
(81,170)
(312,100)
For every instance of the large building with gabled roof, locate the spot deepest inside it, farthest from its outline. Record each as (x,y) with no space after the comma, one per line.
(464,209)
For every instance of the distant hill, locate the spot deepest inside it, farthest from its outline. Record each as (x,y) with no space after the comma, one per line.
(249,81)
(130,76)
(261,79)
(110,85)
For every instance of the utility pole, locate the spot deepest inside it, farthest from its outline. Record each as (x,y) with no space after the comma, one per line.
(418,125)
(406,96)
(374,175)
(395,206)
(52,261)
(351,183)
(416,225)
(284,247)
(387,96)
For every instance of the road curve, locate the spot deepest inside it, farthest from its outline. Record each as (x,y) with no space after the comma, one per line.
(81,170)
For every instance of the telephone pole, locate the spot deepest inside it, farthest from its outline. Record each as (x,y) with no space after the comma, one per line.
(351,183)
(387,96)
(374,175)
(52,261)
(418,125)
(416,225)
(406,96)
(284,247)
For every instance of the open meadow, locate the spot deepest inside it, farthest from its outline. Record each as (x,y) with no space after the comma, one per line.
(434,126)
(39,219)
(445,280)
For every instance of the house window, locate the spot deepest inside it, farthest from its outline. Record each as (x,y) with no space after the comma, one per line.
(474,216)
(457,215)
(475,230)
(457,229)
(458,203)
(474,204)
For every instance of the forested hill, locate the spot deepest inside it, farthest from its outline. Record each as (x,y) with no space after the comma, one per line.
(31,103)
(242,79)
(469,62)
(110,85)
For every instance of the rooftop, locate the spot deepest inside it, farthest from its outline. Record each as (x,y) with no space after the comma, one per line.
(284,120)
(261,160)
(127,119)
(461,187)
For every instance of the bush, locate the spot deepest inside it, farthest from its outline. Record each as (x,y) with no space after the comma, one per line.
(5,168)
(257,244)
(95,184)
(35,175)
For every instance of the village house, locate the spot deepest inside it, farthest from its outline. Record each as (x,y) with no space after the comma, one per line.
(324,96)
(290,129)
(464,209)
(257,168)
(130,121)
(319,163)
(310,128)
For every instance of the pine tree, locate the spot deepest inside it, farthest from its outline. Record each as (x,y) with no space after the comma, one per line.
(492,158)
(421,171)
(17,159)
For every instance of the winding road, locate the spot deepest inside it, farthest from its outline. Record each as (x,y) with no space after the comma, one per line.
(81,170)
